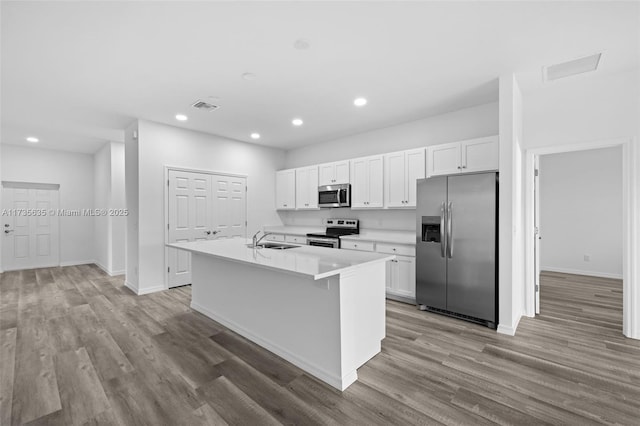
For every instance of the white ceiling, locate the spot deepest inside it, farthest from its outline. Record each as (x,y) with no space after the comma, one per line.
(75,74)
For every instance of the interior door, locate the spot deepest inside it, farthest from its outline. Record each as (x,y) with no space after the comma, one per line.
(229,215)
(30,234)
(471,248)
(202,206)
(190,210)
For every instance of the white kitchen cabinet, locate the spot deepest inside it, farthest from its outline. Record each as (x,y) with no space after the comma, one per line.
(401,277)
(295,239)
(367,183)
(333,173)
(402,169)
(286,189)
(473,155)
(275,237)
(307,188)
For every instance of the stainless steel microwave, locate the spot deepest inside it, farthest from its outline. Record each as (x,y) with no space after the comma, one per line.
(334,195)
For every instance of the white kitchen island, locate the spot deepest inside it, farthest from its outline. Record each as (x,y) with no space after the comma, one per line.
(319,308)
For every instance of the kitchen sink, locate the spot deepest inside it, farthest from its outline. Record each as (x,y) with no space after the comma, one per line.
(274,246)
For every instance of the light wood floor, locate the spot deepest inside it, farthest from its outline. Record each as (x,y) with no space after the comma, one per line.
(79,348)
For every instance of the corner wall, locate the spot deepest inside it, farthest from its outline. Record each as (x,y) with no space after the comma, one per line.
(160,145)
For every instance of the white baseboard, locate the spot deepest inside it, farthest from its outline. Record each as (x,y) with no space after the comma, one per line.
(132,287)
(108,271)
(581,272)
(337,382)
(141,291)
(77,262)
(509,330)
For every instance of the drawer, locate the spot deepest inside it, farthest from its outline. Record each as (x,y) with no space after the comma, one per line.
(296,239)
(357,245)
(399,249)
(275,237)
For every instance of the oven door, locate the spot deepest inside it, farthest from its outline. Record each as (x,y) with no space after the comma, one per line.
(323,242)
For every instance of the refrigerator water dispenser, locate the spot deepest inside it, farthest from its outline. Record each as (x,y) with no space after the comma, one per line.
(431,229)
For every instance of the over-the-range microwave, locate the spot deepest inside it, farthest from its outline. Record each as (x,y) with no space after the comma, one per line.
(334,195)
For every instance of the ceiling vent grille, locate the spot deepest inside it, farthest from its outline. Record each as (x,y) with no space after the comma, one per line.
(204,106)
(573,67)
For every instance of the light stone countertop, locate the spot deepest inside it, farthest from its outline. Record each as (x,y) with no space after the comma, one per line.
(309,261)
(294,230)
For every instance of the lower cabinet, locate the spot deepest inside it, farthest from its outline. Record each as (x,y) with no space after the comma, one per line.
(401,272)
(401,277)
(287,238)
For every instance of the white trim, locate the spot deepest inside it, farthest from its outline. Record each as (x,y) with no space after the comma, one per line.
(31,185)
(581,272)
(131,286)
(509,330)
(109,272)
(630,224)
(77,262)
(335,381)
(27,268)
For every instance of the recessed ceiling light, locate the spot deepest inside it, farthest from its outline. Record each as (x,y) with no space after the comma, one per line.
(32,139)
(360,102)
(255,135)
(297,122)
(249,76)
(301,44)
(181,117)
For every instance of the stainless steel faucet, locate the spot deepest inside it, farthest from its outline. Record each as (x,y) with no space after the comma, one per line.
(256,240)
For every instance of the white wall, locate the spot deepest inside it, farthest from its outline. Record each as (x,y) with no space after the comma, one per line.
(101,196)
(160,145)
(468,123)
(511,220)
(581,212)
(118,201)
(131,166)
(459,125)
(74,173)
(595,107)
(109,194)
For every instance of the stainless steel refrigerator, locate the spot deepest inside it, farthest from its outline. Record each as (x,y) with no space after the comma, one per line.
(457,248)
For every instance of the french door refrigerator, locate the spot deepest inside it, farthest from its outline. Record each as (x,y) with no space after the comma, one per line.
(456,247)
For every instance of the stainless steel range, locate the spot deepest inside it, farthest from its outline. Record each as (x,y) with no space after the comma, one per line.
(335,229)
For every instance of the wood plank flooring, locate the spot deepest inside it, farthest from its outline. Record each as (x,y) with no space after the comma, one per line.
(78,348)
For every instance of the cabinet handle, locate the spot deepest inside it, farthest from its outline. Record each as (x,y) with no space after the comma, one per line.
(394,249)
(464,167)
(459,167)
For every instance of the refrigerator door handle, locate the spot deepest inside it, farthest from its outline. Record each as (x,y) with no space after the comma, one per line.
(450,229)
(443,238)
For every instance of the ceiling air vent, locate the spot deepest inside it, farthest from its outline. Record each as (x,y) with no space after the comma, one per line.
(573,67)
(205,106)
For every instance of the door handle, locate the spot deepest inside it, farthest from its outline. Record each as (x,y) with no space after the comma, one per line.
(207,232)
(443,241)
(450,229)
(214,232)
(6,231)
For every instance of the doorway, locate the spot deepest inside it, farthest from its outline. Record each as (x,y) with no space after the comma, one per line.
(579,239)
(30,232)
(201,206)
(629,245)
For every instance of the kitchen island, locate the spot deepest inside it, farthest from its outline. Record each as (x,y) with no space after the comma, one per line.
(319,308)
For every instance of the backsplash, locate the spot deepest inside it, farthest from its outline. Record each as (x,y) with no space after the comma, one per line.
(398,220)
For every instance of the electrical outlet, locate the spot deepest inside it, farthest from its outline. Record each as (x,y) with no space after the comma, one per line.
(587,258)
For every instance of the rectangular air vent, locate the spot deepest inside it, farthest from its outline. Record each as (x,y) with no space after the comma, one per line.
(204,106)
(573,67)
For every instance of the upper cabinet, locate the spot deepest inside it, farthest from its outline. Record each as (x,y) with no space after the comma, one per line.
(367,182)
(307,188)
(286,189)
(333,173)
(402,169)
(463,157)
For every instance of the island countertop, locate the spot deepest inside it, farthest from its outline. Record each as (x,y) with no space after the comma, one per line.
(310,261)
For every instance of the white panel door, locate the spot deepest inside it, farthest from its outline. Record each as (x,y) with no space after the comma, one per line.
(190,208)
(229,207)
(395,179)
(359,183)
(202,206)
(30,235)
(480,154)
(375,180)
(443,159)
(341,172)
(415,169)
